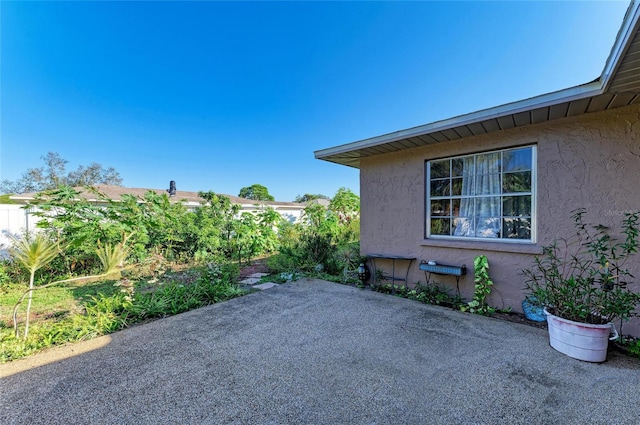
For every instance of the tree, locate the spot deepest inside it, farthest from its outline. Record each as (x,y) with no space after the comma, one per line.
(345,204)
(216,224)
(53,175)
(309,197)
(256,192)
(94,174)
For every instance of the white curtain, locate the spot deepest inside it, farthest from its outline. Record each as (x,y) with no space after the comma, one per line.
(480,215)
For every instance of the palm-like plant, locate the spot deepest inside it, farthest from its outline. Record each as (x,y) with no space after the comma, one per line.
(112,257)
(33,253)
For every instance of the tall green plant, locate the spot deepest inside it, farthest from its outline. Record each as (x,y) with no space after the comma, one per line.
(217,223)
(482,289)
(67,215)
(33,253)
(158,226)
(269,221)
(345,204)
(318,234)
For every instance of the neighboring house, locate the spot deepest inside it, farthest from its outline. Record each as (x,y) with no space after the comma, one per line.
(290,211)
(502,182)
(14,219)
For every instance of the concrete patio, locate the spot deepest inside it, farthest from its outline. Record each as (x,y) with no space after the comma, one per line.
(319,353)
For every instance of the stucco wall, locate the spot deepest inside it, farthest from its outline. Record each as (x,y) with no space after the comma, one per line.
(592,161)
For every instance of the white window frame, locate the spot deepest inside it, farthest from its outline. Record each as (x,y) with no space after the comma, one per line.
(532,193)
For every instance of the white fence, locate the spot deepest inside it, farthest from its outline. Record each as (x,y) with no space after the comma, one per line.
(14,220)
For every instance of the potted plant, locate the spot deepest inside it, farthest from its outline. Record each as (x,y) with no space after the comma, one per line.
(583,284)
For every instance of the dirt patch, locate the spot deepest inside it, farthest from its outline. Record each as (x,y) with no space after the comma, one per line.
(257,266)
(518,318)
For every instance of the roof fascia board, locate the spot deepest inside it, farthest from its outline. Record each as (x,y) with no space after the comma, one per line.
(621,45)
(566,95)
(20,198)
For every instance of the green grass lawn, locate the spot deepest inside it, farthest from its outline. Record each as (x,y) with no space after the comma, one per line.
(51,302)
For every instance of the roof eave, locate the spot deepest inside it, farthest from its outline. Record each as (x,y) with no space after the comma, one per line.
(566,95)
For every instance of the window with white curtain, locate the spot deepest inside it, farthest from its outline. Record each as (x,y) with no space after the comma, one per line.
(483,196)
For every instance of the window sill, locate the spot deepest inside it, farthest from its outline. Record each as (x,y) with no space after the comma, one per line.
(484,246)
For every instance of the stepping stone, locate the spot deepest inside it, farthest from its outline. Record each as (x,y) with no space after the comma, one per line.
(265,285)
(259,275)
(250,281)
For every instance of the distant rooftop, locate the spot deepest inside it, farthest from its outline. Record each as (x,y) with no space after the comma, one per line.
(116,192)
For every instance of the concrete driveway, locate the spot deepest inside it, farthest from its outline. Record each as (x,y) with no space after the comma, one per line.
(314,352)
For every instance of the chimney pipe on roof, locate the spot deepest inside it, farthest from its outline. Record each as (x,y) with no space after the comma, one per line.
(172,188)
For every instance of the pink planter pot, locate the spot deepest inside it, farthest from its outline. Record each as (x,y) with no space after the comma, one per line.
(582,341)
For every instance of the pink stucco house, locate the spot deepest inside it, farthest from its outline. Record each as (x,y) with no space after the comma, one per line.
(433,192)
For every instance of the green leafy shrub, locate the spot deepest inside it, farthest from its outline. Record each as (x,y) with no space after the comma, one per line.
(389,288)
(425,293)
(324,241)
(630,345)
(585,278)
(216,283)
(103,315)
(283,262)
(435,294)
(215,231)
(5,277)
(344,261)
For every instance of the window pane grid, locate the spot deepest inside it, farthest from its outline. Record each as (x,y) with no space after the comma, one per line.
(488,195)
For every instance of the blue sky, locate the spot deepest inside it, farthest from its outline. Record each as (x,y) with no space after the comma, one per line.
(222,95)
